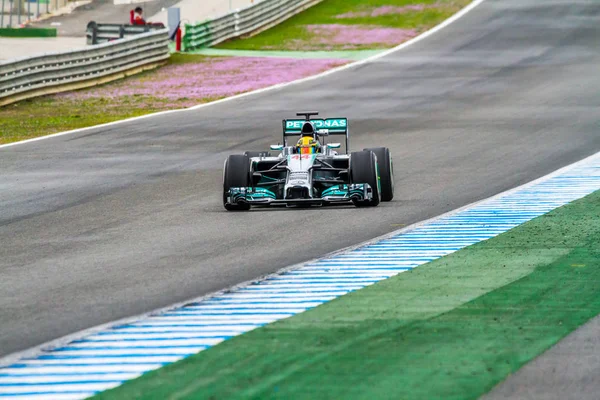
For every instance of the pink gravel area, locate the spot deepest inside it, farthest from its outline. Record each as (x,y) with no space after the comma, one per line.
(349,36)
(214,77)
(383,10)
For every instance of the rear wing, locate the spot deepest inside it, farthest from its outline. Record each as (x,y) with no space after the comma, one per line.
(325,127)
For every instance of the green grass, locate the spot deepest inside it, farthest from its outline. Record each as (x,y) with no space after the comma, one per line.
(292,33)
(43,116)
(451,329)
(54,113)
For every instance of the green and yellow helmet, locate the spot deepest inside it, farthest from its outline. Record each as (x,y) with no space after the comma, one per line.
(307,145)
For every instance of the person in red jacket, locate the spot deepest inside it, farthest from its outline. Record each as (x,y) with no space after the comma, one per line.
(136,17)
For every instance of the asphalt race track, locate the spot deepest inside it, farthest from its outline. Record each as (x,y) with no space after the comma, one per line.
(121,220)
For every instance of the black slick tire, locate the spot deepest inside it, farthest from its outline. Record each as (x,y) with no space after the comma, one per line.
(386,172)
(363,169)
(236,173)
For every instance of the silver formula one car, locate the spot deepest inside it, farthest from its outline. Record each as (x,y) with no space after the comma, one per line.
(309,173)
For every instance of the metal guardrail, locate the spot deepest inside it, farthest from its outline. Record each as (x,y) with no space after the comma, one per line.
(58,72)
(101,33)
(243,22)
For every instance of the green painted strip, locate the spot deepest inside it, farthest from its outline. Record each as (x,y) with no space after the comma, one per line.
(344,54)
(28,32)
(197,36)
(450,329)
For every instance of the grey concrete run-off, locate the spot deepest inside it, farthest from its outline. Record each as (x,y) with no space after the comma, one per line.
(121,220)
(569,370)
(101,11)
(105,11)
(13,48)
(71,27)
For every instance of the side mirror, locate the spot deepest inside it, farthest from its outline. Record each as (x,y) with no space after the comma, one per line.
(276,147)
(334,145)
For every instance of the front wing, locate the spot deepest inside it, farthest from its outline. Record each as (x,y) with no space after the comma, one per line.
(334,195)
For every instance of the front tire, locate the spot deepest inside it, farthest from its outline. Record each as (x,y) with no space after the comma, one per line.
(363,169)
(236,173)
(386,172)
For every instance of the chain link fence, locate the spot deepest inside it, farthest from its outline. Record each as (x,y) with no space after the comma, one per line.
(15,13)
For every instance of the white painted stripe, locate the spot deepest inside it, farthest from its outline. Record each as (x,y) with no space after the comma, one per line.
(314,287)
(380,263)
(301,281)
(195,324)
(36,379)
(345,273)
(124,344)
(143,363)
(383,271)
(457,236)
(413,246)
(288,296)
(376,260)
(231,300)
(360,256)
(53,396)
(221,318)
(195,329)
(275,306)
(53,369)
(479,225)
(228,311)
(76,387)
(158,336)
(127,352)
(404,253)
(425,241)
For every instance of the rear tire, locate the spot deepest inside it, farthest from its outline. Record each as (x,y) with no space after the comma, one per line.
(251,154)
(386,172)
(236,173)
(363,169)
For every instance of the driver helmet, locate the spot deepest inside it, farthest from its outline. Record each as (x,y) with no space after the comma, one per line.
(308,143)
(308,129)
